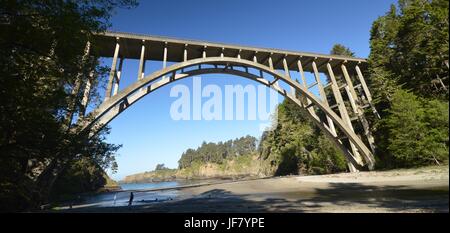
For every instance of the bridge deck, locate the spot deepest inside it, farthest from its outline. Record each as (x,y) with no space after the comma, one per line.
(130,47)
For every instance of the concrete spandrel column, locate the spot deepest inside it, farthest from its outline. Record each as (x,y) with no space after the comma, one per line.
(324,97)
(204,52)
(275,84)
(303,78)
(185,53)
(302,74)
(349,88)
(165,55)
(118,76)
(344,115)
(363,84)
(351,99)
(357,109)
(366,91)
(270,61)
(164,59)
(112,73)
(255,60)
(288,75)
(338,97)
(141,70)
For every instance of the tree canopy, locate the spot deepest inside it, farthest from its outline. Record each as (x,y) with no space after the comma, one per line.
(339,49)
(409,49)
(218,152)
(408,76)
(44,66)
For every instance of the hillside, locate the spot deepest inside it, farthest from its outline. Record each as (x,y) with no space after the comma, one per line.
(248,165)
(110,184)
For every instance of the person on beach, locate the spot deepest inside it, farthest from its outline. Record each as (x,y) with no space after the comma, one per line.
(131,199)
(115,197)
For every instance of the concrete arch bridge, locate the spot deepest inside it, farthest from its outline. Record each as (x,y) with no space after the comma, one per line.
(340,115)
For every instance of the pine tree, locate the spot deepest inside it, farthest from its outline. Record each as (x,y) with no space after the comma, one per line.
(417,130)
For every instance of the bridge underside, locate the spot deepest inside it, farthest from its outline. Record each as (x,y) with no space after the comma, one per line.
(349,130)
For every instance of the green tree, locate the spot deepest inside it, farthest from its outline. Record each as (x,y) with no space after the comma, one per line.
(409,51)
(417,130)
(218,152)
(382,49)
(409,48)
(339,49)
(81,176)
(421,47)
(326,158)
(297,146)
(160,166)
(44,67)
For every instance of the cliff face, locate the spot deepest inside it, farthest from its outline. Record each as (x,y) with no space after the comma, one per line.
(152,176)
(236,167)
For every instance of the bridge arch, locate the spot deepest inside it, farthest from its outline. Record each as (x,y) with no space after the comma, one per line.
(118,103)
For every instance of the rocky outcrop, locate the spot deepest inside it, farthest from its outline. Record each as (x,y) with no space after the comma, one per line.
(230,168)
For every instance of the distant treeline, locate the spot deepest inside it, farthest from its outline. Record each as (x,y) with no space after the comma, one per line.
(218,152)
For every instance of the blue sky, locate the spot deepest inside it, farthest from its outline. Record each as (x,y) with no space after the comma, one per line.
(146,130)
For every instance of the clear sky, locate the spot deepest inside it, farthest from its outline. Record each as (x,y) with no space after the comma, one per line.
(148,133)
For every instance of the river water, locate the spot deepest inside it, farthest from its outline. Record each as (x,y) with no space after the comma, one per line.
(141,192)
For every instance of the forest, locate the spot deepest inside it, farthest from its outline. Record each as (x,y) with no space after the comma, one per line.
(218,152)
(43,67)
(408,76)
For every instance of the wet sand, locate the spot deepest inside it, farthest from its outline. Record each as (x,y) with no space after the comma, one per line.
(412,190)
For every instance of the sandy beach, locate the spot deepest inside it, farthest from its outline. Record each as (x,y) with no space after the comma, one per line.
(408,190)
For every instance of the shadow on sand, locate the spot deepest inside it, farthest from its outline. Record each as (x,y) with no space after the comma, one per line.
(338,197)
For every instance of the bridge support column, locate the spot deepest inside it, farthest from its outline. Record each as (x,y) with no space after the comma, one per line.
(366,90)
(344,114)
(117,77)
(164,59)
(255,59)
(204,52)
(275,83)
(324,97)
(286,72)
(322,94)
(165,55)
(350,89)
(303,78)
(357,108)
(185,53)
(270,62)
(142,62)
(112,73)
